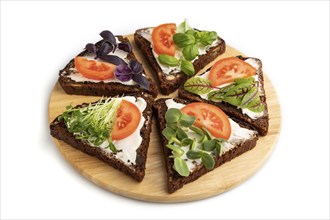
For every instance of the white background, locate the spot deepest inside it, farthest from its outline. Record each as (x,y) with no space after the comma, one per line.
(291,38)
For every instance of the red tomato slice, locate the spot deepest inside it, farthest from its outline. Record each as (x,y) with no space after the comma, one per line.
(162,38)
(93,69)
(127,120)
(210,117)
(228,69)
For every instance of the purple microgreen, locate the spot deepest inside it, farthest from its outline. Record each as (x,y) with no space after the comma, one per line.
(125,46)
(141,80)
(112,59)
(91,48)
(135,66)
(104,49)
(123,73)
(108,36)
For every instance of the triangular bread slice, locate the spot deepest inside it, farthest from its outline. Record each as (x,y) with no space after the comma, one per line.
(168,83)
(236,145)
(259,121)
(73,82)
(132,151)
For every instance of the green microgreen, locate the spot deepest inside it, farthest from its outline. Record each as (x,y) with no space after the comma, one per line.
(177,151)
(181,134)
(243,92)
(208,161)
(181,166)
(170,135)
(93,122)
(194,154)
(112,147)
(204,138)
(218,148)
(177,131)
(208,134)
(196,130)
(173,115)
(209,145)
(186,142)
(187,120)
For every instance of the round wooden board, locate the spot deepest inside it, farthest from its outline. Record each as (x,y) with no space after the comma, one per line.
(153,187)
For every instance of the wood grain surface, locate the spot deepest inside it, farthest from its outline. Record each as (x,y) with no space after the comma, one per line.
(153,188)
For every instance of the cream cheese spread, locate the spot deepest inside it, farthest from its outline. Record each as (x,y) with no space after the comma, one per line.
(127,147)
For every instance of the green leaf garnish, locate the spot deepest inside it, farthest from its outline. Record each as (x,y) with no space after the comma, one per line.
(174,126)
(179,141)
(196,130)
(218,148)
(191,32)
(208,161)
(209,145)
(190,52)
(194,154)
(249,80)
(249,96)
(198,85)
(181,134)
(168,60)
(187,120)
(177,151)
(186,142)
(193,145)
(170,135)
(206,37)
(187,67)
(172,115)
(112,147)
(204,138)
(255,105)
(219,94)
(181,166)
(183,27)
(181,39)
(242,93)
(208,134)
(189,40)
(93,122)
(235,94)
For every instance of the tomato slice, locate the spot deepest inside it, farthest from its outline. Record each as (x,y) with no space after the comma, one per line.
(226,70)
(210,117)
(93,69)
(127,120)
(162,39)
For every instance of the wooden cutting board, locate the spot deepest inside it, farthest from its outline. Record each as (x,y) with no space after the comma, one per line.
(153,187)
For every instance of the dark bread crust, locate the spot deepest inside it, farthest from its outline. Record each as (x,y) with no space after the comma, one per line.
(100,88)
(260,124)
(137,171)
(174,180)
(169,83)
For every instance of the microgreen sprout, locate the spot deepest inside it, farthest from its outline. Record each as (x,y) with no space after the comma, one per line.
(178,128)
(93,122)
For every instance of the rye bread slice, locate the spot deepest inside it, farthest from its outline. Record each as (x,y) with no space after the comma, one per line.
(261,124)
(174,180)
(100,88)
(168,83)
(59,130)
